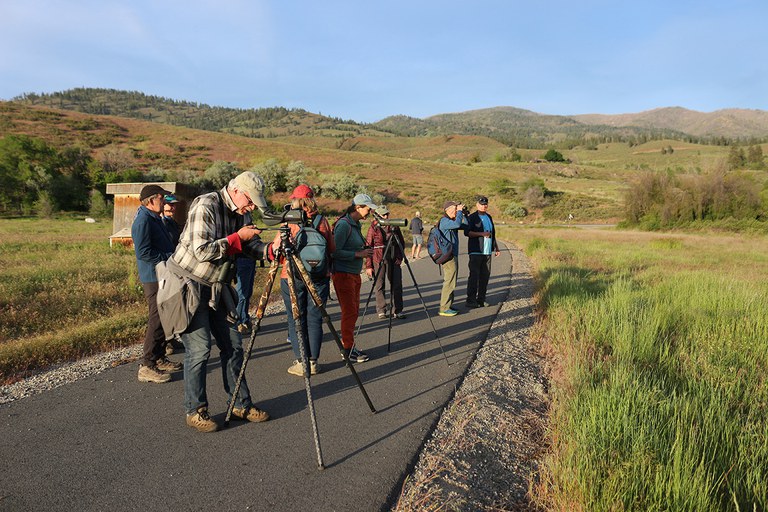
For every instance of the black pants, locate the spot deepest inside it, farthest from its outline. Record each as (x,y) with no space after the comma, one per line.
(394,275)
(479,273)
(154,339)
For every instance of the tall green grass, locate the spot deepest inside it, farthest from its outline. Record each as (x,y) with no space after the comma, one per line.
(660,392)
(64,293)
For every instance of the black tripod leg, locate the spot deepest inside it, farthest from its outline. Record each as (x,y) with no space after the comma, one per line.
(247,352)
(389,275)
(296,312)
(424,305)
(319,303)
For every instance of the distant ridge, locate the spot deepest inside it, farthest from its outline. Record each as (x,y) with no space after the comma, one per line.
(510,125)
(732,123)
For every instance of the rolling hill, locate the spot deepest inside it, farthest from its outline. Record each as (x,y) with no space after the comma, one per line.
(509,125)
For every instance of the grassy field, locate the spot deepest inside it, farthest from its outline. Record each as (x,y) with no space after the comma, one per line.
(63,293)
(660,344)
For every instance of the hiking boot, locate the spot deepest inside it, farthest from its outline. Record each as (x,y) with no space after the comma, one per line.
(482,304)
(400,315)
(472,304)
(357,356)
(449,312)
(314,368)
(201,421)
(152,374)
(166,365)
(382,315)
(253,414)
(297,368)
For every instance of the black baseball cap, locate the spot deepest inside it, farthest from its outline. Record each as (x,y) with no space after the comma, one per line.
(482,199)
(151,190)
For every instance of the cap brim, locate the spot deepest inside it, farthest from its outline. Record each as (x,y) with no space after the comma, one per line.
(259,201)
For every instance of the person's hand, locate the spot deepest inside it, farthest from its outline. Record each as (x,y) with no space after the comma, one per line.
(248,232)
(369,271)
(486,234)
(365,253)
(460,207)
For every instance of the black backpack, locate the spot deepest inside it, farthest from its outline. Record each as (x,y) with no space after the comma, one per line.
(312,249)
(439,246)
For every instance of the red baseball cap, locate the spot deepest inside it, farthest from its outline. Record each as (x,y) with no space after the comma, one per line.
(301,192)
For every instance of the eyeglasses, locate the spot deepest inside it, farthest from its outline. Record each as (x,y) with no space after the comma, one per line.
(250,203)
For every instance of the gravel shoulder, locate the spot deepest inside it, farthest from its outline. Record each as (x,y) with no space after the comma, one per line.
(485,450)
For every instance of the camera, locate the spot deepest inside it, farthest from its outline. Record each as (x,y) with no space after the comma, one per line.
(400,223)
(288,215)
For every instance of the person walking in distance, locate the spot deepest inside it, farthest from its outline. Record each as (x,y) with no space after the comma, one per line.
(449,224)
(152,244)
(482,242)
(347,264)
(377,238)
(417,230)
(215,232)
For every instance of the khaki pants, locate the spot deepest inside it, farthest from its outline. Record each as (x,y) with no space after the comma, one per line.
(450,276)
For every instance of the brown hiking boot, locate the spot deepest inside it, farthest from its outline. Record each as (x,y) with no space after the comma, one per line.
(152,374)
(201,421)
(166,365)
(253,414)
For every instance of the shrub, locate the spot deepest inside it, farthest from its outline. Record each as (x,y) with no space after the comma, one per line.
(295,174)
(515,210)
(273,175)
(340,186)
(553,155)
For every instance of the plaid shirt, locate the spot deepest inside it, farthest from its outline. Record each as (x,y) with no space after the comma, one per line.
(203,245)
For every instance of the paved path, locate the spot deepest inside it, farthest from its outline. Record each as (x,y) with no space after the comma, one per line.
(111,443)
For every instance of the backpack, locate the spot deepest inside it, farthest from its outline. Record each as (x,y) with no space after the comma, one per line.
(439,246)
(312,248)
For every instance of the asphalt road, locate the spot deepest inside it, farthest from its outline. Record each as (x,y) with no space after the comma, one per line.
(111,443)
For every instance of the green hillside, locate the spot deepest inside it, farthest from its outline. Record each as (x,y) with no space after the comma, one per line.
(45,152)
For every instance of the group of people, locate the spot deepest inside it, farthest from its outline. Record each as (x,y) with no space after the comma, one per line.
(219,229)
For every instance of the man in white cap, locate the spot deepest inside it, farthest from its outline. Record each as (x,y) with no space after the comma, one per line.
(215,233)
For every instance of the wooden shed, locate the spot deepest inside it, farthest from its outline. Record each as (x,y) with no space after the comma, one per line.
(127,202)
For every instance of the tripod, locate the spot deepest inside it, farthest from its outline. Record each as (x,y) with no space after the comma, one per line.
(294,267)
(387,264)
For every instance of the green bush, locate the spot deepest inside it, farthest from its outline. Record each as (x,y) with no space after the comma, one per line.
(515,210)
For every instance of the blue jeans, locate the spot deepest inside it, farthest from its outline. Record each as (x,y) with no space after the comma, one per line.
(311,316)
(206,326)
(246,270)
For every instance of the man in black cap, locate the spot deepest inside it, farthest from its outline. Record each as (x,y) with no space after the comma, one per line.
(482,241)
(152,244)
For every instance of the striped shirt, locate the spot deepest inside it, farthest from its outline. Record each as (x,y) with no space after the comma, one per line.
(203,245)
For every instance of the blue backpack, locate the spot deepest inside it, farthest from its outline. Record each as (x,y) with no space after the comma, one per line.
(439,246)
(311,247)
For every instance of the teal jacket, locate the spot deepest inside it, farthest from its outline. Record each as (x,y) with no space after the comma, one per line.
(348,236)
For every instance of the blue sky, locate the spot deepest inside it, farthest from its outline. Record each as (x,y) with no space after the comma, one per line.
(365,60)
